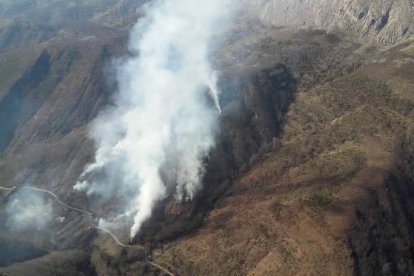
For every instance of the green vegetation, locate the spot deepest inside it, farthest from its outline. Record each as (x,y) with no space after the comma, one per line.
(319,199)
(8,70)
(331,133)
(346,110)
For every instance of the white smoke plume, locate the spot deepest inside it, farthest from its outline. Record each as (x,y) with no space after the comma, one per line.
(162,126)
(28,210)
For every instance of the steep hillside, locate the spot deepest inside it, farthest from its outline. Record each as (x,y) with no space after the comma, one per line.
(312,172)
(106,12)
(30,23)
(44,110)
(387,22)
(330,195)
(257,93)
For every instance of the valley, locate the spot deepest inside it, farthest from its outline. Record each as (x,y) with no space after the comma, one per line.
(312,172)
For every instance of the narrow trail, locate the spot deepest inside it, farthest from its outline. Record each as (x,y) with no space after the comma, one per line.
(91,215)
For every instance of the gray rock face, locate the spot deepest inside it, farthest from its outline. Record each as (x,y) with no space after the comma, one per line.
(385,21)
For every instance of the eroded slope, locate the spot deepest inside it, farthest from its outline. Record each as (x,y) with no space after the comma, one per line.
(331,197)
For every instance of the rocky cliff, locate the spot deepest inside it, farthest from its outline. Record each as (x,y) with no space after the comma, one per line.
(386,22)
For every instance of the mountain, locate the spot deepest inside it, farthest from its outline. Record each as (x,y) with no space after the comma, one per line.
(387,22)
(34,23)
(313,169)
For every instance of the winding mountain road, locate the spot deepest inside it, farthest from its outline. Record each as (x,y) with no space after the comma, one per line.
(90,215)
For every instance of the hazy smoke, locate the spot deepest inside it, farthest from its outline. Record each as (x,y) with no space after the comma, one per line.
(163,124)
(28,210)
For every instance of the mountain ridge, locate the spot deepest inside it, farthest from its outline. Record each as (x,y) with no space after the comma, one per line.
(312,169)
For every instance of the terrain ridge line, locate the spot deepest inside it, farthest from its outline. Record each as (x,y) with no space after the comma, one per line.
(90,214)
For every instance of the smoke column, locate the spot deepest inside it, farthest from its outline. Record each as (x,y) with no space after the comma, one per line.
(162,126)
(28,210)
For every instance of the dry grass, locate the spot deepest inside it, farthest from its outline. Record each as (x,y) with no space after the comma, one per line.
(289,214)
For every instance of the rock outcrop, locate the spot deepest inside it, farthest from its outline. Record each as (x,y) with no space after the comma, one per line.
(312,173)
(386,22)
